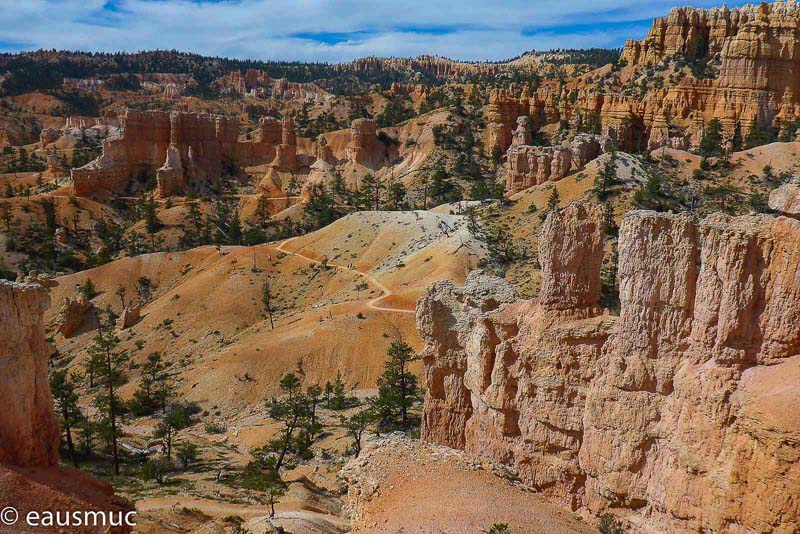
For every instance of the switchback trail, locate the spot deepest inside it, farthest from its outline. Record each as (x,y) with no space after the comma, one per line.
(373,304)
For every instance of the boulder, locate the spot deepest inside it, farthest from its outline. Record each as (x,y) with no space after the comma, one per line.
(70,314)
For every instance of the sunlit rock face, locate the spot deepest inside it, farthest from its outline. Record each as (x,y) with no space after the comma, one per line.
(677,415)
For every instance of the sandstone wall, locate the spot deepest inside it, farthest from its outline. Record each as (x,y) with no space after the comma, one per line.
(534,165)
(29,434)
(204,145)
(677,415)
(758,82)
(363,142)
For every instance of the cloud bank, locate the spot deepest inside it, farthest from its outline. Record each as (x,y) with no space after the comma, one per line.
(327,30)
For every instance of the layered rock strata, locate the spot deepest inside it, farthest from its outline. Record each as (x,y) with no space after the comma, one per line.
(29,434)
(758,82)
(534,165)
(363,140)
(677,415)
(180,148)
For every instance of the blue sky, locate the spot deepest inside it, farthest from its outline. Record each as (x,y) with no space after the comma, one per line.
(328,30)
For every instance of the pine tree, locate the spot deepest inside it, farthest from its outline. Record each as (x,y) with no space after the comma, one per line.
(338,400)
(148,206)
(292,412)
(108,364)
(88,289)
(263,477)
(554,200)
(356,425)
(65,395)
(155,388)
(397,387)
(370,193)
(176,418)
(313,398)
(397,195)
(711,143)
(606,178)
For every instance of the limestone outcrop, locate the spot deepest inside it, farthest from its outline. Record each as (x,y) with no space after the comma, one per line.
(130,315)
(676,414)
(363,139)
(286,153)
(49,135)
(29,434)
(258,83)
(169,177)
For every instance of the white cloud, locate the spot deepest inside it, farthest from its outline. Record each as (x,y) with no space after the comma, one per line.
(268,29)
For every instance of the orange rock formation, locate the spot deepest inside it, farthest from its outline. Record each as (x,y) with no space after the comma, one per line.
(533,165)
(180,148)
(363,141)
(759,76)
(29,432)
(677,414)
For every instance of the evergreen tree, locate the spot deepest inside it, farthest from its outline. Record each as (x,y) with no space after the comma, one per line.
(148,208)
(155,388)
(397,196)
(186,454)
(397,387)
(711,143)
(606,178)
(293,188)
(291,411)
(263,477)
(108,363)
(356,425)
(553,200)
(175,418)
(313,399)
(762,134)
(64,390)
(338,400)
(320,208)
(370,193)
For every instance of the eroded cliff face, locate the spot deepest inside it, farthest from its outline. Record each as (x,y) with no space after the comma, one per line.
(181,149)
(29,433)
(677,415)
(758,53)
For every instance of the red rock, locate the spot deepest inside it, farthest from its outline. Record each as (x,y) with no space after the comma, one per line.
(675,415)
(29,434)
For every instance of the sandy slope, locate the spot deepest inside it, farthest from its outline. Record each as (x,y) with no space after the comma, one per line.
(207,317)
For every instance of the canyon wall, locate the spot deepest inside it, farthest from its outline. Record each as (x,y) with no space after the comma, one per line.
(29,434)
(677,415)
(758,50)
(529,165)
(257,83)
(179,148)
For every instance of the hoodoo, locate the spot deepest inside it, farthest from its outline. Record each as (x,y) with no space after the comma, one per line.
(675,414)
